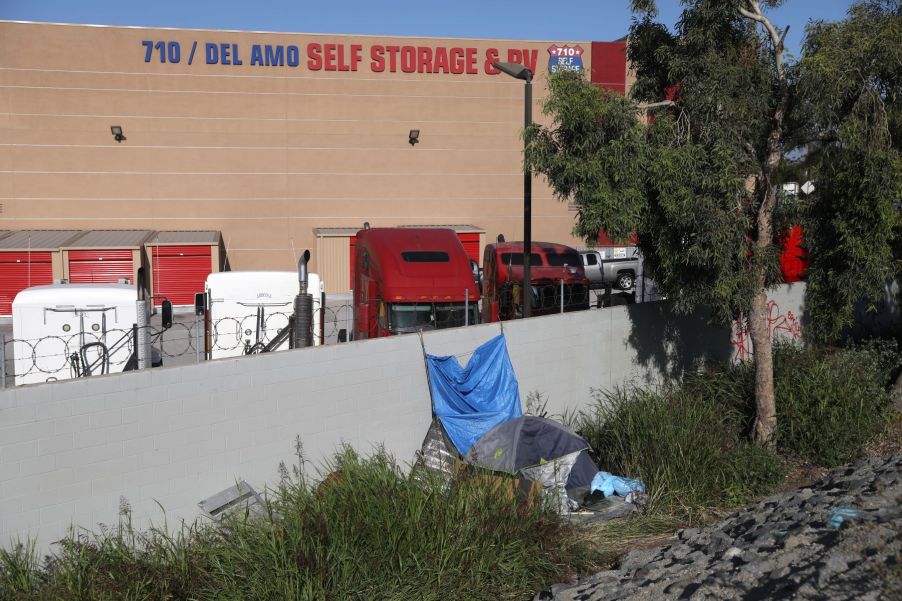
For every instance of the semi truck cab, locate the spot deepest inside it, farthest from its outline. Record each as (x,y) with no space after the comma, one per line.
(556,274)
(411,279)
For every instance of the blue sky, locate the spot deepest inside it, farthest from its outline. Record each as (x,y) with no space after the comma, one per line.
(526,20)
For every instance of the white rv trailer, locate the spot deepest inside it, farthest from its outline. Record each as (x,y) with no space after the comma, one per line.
(249,308)
(64,331)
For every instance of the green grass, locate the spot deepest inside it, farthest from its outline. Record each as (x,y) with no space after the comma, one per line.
(829,404)
(689,450)
(690,441)
(373,531)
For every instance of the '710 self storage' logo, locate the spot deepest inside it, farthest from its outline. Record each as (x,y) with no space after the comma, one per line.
(565,58)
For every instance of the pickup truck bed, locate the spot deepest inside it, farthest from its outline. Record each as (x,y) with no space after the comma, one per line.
(616,266)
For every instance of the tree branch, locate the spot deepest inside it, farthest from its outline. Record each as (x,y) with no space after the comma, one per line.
(776,37)
(653,105)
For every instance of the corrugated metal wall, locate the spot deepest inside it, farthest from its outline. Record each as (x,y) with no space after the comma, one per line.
(332,262)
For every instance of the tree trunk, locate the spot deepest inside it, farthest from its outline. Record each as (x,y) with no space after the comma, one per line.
(765,401)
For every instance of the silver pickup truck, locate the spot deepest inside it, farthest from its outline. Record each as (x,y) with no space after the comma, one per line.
(614,265)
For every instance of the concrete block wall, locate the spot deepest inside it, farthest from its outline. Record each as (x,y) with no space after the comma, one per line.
(69,451)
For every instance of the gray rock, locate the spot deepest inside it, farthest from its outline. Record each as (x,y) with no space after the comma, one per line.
(784,547)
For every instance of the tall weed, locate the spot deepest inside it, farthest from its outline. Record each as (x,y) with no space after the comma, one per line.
(369,531)
(691,440)
(687,448)
(829,404)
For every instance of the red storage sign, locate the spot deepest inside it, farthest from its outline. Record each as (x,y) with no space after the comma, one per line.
(20,270)
(179,272)
(100,266)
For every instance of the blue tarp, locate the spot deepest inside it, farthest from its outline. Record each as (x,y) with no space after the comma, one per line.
(472,400)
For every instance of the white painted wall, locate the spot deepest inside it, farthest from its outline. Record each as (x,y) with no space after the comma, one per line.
(69,450)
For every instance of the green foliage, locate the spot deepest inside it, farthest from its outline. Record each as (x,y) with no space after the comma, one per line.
(849,85)
(593,154)
(831,403)
(688,448)
(682,181)
(18,570)
(690,442)
(369,531)
(696,182)
(884,355)
(116,563)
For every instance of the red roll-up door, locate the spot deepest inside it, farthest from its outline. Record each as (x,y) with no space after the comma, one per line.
(179,272)
(471,245)
(100,266)
(18,271)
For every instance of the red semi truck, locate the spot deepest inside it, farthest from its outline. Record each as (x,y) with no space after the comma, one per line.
(551,265)
(411,279)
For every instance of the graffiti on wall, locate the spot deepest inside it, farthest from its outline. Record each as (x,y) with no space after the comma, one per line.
(783,326)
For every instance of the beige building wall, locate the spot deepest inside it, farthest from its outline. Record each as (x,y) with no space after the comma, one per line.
(263,153)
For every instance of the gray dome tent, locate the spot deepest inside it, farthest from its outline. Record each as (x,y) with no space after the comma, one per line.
(539,449)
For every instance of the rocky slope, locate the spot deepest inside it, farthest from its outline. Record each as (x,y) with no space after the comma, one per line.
(840,538)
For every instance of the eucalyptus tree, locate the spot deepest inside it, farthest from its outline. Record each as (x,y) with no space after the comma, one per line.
(849,87)
(695,174)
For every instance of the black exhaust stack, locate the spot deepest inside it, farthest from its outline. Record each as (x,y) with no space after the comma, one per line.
(303,307)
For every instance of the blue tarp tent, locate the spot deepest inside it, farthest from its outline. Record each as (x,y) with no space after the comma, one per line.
(472,400)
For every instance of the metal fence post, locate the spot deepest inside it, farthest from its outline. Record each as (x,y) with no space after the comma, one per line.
(348,311)
(196,337)
(562,295)
(2,360)
(143,350)
(641,281)
(466,306)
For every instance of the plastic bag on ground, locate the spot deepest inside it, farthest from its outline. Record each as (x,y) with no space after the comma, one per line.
(610,484)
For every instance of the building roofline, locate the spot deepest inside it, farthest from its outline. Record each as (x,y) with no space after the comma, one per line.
(354,35)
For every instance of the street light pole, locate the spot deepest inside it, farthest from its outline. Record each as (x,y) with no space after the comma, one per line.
(518,71)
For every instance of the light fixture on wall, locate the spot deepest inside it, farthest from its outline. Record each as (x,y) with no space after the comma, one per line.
(117,132)
(413,137)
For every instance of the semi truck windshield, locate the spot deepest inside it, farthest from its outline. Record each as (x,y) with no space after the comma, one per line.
(410,317)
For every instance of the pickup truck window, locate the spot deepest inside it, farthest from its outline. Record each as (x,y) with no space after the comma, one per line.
(517,259)
(425,256)
(591,259)
(571,259)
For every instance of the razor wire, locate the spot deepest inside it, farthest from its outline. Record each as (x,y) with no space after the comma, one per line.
(51,357)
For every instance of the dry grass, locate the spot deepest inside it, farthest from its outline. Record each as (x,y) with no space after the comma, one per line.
(612,540)
(889,440)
